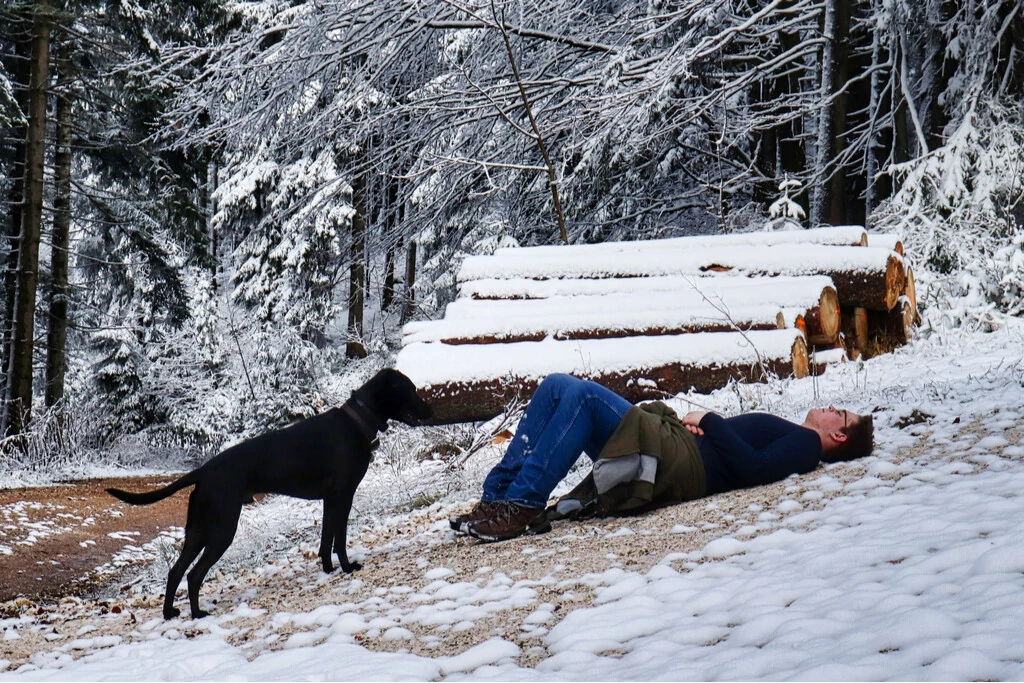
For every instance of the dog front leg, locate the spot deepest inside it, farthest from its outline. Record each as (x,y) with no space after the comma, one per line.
(330,524)
(341,535)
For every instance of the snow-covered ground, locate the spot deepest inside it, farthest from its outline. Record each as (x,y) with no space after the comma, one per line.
(905,565)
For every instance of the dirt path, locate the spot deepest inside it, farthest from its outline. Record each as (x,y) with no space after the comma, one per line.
(53,538)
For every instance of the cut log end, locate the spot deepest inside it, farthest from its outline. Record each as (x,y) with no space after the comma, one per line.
(895,281)
(831,321)
(855,329)
(910,289)
(824,321)
(801,359)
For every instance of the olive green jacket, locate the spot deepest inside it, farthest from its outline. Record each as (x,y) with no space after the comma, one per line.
(651,460)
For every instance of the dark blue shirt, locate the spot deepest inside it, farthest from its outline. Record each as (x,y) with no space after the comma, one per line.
(756,448)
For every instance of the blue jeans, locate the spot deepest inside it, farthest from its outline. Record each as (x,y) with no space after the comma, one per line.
(565,417)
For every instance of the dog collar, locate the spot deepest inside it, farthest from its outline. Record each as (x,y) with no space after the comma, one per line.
(353,408)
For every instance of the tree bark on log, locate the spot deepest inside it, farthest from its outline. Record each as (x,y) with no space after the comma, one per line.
(855,329)
(888,330)
(481,398)
(879,290)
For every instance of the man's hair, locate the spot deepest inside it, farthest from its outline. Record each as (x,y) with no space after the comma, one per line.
(860,439)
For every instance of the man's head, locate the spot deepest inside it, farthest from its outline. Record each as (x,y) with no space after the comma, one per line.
(844,435)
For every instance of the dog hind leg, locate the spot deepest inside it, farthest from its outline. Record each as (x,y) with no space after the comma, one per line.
(193,545)
(218,540)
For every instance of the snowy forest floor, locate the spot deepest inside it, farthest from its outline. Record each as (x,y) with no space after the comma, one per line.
(401,557)
(890,567)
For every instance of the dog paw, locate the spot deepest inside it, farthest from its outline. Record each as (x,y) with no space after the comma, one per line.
(171,613)
(352,567)
(199,614)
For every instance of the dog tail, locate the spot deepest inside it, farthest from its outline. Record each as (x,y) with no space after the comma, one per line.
(147,497)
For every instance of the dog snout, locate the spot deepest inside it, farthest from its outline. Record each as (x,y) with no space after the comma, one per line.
(418,411)
(417,418)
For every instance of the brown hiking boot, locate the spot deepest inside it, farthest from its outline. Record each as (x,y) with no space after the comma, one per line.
(509,521)
(481,511)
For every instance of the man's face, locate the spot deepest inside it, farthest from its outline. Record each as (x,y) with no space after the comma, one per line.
(831,419)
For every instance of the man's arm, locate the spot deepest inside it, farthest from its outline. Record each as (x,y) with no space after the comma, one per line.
(795,452)
(692,421)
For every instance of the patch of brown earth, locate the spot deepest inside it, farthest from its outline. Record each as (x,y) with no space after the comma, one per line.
(57,535)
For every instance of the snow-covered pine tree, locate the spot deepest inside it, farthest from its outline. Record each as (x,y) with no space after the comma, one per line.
(959,204)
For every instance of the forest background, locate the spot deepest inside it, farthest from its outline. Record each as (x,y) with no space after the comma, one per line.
(217,215)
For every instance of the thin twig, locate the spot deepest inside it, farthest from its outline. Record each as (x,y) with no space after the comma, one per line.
(241,356)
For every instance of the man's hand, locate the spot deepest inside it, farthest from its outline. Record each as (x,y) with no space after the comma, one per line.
(692,421)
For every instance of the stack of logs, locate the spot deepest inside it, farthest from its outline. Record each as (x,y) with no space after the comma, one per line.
(655,318)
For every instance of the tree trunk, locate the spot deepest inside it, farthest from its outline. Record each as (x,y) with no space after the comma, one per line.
(56,341)
(20,385)
(838,192)
(409,295)
(357,272)
(766,188)
(15,200)
(823,145)
(939,67)
(872,193)
(387,297)
(792,154)
(392,218)
(211,210)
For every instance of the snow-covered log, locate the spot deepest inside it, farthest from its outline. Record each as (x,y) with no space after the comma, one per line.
(598,324)
(863,276)
(767,307)
(476,382)
(886,240)
(510,298)
(839,236)
(784,290)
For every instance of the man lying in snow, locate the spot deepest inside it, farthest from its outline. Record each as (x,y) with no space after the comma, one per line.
(644,456)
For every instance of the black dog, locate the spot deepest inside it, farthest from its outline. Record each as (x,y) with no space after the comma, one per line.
(321,457)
